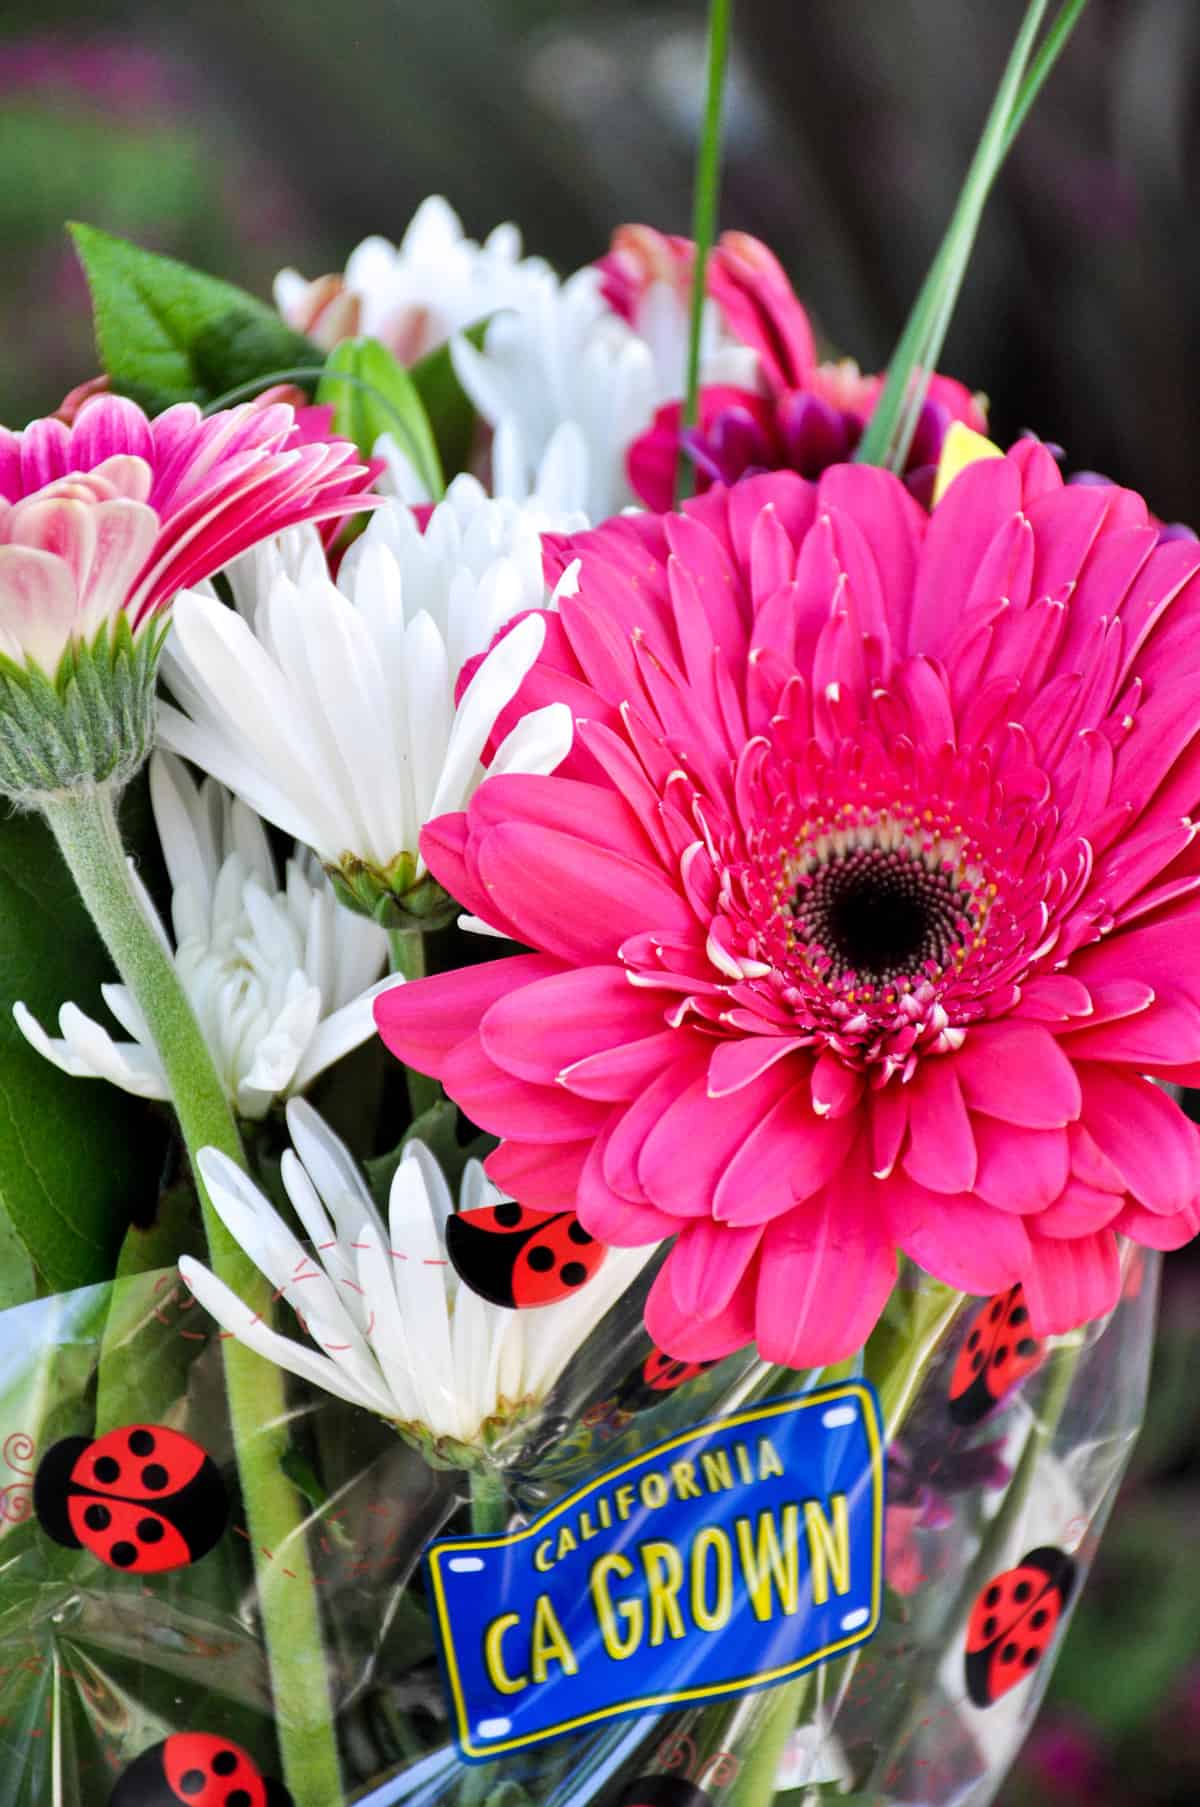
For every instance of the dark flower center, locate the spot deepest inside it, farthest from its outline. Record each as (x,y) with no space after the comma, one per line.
(877,915)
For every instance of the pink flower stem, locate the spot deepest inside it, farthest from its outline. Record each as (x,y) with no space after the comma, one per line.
(85,827)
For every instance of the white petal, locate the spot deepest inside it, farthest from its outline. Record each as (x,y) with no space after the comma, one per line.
(347,1028)
(236,1317)
(87,1051)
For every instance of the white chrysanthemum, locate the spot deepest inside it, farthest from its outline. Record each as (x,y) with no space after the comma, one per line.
(389,1325)
(552,497)
(414,295)
(282,981)
(565,356)
(330,708)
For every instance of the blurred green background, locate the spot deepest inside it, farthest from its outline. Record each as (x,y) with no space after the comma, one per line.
(245,137)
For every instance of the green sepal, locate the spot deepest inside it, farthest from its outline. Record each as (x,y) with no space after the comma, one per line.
(393,896)
(371,393)
(483,1453)
(167,333)
(91,723)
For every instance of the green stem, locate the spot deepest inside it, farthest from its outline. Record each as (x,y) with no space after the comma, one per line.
(1051,46)
(889,433)
(704,220)
(85,827)
(489,1502)
(408,957)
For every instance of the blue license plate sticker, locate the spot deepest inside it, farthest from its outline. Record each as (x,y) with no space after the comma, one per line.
(729,1557)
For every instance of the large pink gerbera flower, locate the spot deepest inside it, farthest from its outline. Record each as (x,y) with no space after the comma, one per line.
(862,909)
(102,521)
(804,415)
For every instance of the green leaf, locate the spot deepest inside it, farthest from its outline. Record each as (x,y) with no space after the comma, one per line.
(167,333)
(448,407)
(75,1154)
(372,393)
(437,1128)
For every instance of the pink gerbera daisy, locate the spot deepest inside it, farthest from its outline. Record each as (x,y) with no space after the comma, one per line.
(103,519)
(861,911)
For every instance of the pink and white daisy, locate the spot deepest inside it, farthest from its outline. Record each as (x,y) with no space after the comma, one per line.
(102,522)
(861,912)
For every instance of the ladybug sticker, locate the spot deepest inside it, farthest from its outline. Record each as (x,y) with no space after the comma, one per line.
(658,1375)
(511,1255)
(662,1791)
(143,1498)
(997,1353)
(197,1769)
(1013,1623)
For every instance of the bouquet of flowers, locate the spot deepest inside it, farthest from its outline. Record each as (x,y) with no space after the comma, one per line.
(602,1245)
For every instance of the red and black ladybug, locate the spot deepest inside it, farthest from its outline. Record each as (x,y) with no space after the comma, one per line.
(997,1352)
(1013,1622)
(142,1498)
(513,1255)
(658,1375)
(197,1769)
(662,1791)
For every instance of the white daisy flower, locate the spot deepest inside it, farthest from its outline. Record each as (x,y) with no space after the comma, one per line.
(565,356)
(552,495)
(414,295)
(330,708)
(389,1326)
(281,981)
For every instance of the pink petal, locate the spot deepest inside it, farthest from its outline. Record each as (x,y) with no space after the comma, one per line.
(1145,1135)
(941,1149)
(1015,1070)
(422,1021)
(621,1073)
(737,1062)
(545,1178)
(37,603)
(689,1148)
(537,1031)
(1155,1232)
(611,1217)
(109,426)
(506,1106)
(571,898)
(1019,1170)
(978,504)
(687,1337)
(1070,1283)
(826,1271)
(966,1244)
(889,1124)
(623,1146)
(788,1155)
(1078,1210)
(708,1264)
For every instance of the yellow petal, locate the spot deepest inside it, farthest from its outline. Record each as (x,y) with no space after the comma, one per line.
(960,448)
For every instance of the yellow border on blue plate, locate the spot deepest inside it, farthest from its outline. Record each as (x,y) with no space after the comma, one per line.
(753,1415)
